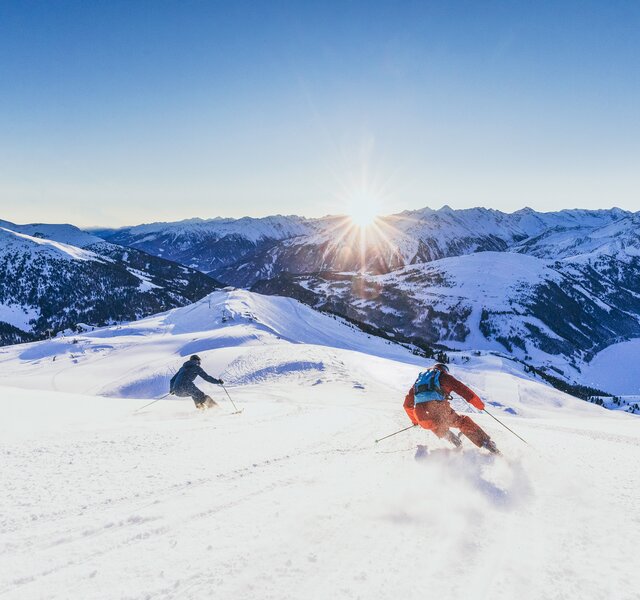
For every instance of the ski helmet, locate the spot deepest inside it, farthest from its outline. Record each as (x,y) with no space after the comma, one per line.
(196,358)
(441,367)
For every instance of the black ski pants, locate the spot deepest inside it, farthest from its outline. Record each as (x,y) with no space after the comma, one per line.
(190,389)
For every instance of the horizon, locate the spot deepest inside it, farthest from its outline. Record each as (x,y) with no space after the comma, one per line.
(98,227)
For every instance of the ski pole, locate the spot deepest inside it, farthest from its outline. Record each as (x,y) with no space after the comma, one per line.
(150,403)
(501,423)
(396,433)
(232,402)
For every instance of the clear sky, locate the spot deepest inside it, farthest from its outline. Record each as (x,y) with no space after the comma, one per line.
(116,113)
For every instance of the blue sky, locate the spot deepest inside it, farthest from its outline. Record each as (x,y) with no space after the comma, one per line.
(115,113)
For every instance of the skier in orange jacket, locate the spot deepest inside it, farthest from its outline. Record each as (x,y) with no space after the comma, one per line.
(427,405)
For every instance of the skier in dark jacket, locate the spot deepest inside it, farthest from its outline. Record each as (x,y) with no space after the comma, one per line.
(182,383)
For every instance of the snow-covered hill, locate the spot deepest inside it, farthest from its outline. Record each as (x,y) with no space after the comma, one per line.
(234,323)
(292,498)
(53,277)
(567,284)
(553,315)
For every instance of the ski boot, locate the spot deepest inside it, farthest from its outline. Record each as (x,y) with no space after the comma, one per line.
(490,445)
(207,402)
(210,402)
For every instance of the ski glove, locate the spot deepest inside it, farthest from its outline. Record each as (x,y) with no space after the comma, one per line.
(220,382)
(475,401)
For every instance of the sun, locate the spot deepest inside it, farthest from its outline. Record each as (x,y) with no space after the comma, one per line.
(363,210)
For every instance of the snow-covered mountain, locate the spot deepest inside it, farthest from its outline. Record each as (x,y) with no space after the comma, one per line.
(53,277)
(619,239)
(243,251)
(413,237)
(567,284)
(551,314)
(292,498)
(212,244)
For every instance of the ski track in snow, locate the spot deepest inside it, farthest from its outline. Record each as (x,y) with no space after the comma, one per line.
(292,499)
(213,507)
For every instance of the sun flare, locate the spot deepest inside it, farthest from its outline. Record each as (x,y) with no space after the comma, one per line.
(363,211)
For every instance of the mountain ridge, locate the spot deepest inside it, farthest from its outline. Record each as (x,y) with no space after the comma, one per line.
(246,250)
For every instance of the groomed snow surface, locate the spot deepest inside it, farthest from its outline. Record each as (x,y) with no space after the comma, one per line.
(292,498)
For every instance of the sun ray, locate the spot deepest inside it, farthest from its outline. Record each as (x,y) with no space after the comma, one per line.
(363,209)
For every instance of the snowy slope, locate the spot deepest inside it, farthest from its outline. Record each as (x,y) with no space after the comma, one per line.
(617,364)
(15,242)
(556,316)
(153,348)
(292,499)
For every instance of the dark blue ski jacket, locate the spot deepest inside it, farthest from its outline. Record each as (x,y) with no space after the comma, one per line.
(186,375)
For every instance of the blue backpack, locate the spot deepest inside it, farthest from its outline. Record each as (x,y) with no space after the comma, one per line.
(427,387)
